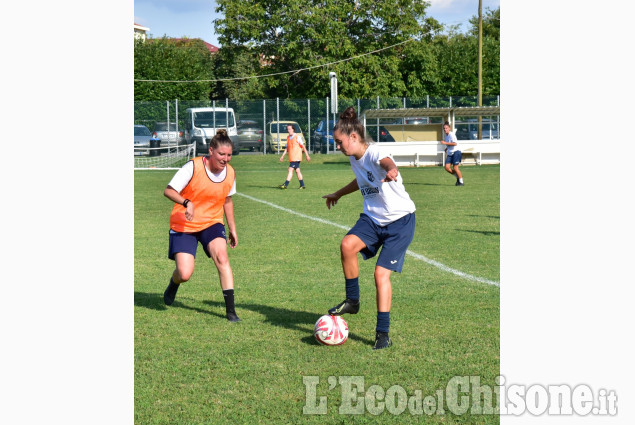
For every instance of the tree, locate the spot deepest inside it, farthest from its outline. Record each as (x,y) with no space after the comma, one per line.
(491,24)
(299,34)
(174,60)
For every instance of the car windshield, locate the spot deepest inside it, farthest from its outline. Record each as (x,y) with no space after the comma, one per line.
(283,127)
(247,124)
(142,131)
(206,119)
(163,126)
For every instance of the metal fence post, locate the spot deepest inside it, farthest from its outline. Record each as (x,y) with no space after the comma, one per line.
(278,124)
(327,123)
(308,125)
(377,140)
(264,126)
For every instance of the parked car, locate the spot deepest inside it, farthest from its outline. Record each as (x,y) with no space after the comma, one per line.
(384,135)
(277,142)
(249,135)
(470,131)
(323,137)
(168,137)
(143,141)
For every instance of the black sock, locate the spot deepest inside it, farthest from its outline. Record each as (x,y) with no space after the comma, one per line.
(286,183)
(228,294)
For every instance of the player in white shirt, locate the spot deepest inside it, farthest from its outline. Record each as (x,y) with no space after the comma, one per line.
(454,154)
(388,221)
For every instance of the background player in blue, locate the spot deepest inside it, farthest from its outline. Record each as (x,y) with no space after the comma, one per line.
(388,221)
(454,154)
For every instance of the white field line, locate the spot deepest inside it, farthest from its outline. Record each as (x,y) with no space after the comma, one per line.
(412,254)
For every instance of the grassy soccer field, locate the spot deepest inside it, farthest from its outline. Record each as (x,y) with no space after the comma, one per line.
(192,366)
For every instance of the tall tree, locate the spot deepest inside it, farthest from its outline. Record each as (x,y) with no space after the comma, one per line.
(300,34)
(169,59)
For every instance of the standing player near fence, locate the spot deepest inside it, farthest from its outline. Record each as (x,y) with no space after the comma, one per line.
(453,154)
(295,146)
(202,192)
(388,221)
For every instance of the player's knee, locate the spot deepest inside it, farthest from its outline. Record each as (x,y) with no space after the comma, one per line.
(184,274)
(221,259)
(347,247)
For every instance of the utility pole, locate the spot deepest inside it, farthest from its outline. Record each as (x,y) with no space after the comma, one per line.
(480,66)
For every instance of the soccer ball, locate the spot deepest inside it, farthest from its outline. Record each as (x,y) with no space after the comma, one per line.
(331,330)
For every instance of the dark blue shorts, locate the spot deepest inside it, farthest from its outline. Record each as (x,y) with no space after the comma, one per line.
(188,242)
(294,164)
(454,159)
(393,239)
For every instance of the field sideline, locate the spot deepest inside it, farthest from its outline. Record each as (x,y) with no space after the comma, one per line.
(192,366)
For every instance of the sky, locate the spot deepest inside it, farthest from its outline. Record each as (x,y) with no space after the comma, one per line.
(194,18)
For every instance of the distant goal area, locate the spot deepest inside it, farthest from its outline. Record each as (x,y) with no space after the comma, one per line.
(162,158)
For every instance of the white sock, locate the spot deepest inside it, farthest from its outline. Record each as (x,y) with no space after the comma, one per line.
(461,180)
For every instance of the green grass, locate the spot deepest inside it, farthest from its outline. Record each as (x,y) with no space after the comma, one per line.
(192,366)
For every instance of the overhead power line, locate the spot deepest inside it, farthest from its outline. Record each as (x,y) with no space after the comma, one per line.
(277,73)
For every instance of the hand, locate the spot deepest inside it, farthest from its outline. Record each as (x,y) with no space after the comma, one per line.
(281,158)
(331,200)
(189,211)
(232,239)
(308,158)
(391,175)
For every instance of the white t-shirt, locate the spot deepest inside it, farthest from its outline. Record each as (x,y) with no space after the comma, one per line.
(184,175)
(383,202)
(451,138)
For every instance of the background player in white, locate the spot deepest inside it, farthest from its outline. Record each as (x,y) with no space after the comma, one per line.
(454,154)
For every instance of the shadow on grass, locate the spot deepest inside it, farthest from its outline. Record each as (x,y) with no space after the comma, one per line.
(485,216)
(276,316)
(482,232)
(155,302)
(289,319)
(408,183)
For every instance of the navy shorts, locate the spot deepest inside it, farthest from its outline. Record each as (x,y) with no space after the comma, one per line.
(393,239)
(454,159)
(188,242)
(294,164)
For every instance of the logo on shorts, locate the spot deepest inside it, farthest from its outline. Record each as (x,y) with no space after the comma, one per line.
(393,261)
(370,176)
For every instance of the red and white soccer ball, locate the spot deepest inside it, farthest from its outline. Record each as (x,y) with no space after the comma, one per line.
(331,330)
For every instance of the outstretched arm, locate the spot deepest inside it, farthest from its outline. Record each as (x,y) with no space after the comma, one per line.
(332,198)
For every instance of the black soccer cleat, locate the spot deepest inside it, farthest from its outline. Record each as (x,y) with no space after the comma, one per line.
(346,306)
(170,293)
(458,183)
(232,317)
(302,187)
(382,340)
(283,187)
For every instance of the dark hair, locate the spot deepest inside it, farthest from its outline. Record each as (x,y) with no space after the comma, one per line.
(349,123)
(447,123)
(221,138)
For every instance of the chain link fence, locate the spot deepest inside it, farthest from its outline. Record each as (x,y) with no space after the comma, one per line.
(308,113)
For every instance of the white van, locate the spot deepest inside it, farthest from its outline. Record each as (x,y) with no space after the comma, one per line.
(201,125)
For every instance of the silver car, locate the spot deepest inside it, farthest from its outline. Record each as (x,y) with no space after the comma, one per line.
(142,137)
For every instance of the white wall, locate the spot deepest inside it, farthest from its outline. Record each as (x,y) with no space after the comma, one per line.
(420,154)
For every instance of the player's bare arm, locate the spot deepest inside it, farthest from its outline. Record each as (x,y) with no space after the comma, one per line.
(391,169)
(176,197)
(228,208)
(332,198)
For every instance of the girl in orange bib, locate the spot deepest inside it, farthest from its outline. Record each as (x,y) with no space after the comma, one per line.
(202,192)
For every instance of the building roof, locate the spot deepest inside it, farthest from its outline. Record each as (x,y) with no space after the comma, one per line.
(141,27)
(212,49)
